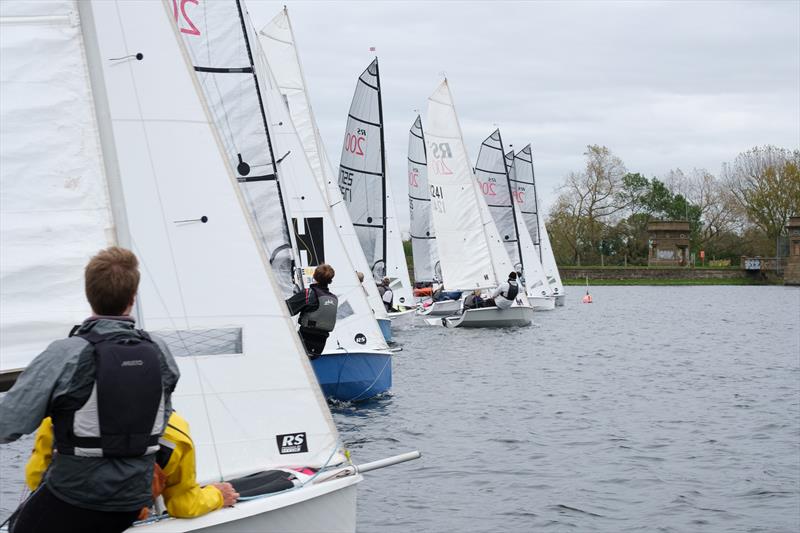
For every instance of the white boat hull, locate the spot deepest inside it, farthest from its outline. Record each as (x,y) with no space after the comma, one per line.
(491,317)
(328,506)
(542,303)
(402,319)
(561,299)
(443,308)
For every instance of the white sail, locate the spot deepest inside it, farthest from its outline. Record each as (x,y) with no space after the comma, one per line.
(492,176)
(315,232)
(221,52)
(206,283)
(54,207)
(534,278)
(525,185)
(470,252)
(364,188)
(423,236)
(277,40)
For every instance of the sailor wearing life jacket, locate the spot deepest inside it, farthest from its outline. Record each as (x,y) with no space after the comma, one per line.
(317,307)
(505,294)
(387,295)
(107,389)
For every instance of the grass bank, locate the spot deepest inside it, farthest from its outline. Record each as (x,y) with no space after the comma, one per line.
(662,281)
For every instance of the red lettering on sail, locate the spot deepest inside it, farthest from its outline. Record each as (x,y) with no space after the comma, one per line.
(192,29)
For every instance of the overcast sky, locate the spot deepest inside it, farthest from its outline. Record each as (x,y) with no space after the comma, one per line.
(663,84)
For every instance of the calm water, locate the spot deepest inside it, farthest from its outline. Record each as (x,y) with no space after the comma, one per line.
(653,409)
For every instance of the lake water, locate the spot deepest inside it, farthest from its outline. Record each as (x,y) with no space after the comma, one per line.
(652,409)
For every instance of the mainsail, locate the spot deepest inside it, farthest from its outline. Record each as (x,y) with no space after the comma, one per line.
(220,44)
(492,175)
(206,286)
(278,43)
(363,185)
(423,237)
(470,252)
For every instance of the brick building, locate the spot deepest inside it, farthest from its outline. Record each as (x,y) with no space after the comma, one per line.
(669,243)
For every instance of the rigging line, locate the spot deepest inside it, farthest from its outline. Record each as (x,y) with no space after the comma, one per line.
(286,221)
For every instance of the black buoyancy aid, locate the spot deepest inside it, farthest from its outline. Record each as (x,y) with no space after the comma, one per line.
(124,415)
(513,290)
(323,317)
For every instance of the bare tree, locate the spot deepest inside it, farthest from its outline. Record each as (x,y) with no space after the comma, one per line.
(719,211)
(765,183)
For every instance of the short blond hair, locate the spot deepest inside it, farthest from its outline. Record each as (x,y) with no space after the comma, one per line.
(111,281)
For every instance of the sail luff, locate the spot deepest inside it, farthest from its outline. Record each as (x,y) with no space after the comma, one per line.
(286,217)
(383,160)
(511,202)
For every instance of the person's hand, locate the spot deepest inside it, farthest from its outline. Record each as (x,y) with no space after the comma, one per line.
(229,495)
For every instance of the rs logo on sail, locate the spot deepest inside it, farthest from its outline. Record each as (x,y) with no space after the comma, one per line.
(292,443)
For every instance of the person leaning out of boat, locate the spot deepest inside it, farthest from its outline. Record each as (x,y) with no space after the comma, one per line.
(317,307)
(387,295)
(174,472)
(505,293)
(100,478)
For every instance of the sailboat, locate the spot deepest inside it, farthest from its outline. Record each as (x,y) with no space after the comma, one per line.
(255,124)
(523,169)
(278,42)
(158,182)
(471,253)
(423,236)
(495,181)
(535,280)
(364,189)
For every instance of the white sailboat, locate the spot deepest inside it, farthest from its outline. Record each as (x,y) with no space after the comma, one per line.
(207,286)
(423,236)
(363,185)
(535,281)
(525,178)
(254,122)
(278,42)
(471,252)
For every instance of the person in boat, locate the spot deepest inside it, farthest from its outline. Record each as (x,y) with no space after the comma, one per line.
(505,293)
(474,300)
(440,295)
(387,295)
(101,478)
(317,307)
(174,472)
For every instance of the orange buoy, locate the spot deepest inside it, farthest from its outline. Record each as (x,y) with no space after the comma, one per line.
(587,299)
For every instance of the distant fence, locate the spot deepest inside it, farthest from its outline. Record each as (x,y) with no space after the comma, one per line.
(649,273)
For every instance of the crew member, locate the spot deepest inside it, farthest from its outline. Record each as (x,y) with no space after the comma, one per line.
(505,293)
(387,295)
(107,389)
(317,307)
(174,474)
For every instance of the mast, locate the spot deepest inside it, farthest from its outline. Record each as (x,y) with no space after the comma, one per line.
(383,166)
(286,221)
(511,199)
(536,201)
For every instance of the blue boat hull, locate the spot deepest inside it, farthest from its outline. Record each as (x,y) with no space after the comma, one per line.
(350,377)
(386,328)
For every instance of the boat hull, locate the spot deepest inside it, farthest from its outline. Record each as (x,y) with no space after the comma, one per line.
(328,506)
(491,317)
(561,299)
(354,376)
(386,328)
(542,303)
(402,319)
(443,308)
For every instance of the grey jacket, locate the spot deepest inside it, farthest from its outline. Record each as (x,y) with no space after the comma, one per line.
(65,370)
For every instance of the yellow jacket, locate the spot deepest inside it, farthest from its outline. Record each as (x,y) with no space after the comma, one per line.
(183,496)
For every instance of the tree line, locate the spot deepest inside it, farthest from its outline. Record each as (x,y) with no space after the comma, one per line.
(601,212)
